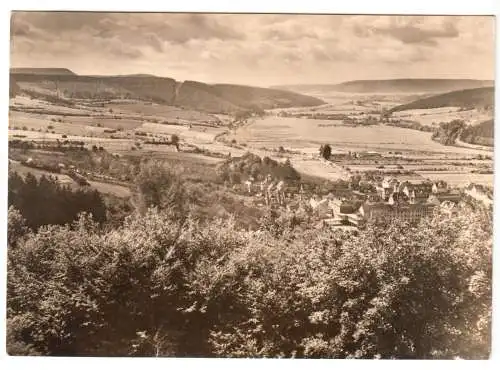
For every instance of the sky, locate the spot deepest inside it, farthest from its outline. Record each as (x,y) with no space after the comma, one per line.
(261,50)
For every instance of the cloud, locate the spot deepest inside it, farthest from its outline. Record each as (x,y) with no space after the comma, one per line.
(414,30)
(245,48)
(288,32)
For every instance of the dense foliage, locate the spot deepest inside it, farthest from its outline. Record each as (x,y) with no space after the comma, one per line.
(236,170)
(162,286)
(325,151)
(44,201)
(448,132)
(158,185)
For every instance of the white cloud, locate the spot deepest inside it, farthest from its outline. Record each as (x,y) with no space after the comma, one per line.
(256,49)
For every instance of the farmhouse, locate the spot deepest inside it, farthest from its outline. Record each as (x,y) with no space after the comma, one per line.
(369,154)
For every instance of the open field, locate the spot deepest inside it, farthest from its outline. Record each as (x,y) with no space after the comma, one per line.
(113,189)
(164,112)
(87,122)
(446,114)
(459,179)
(302,134)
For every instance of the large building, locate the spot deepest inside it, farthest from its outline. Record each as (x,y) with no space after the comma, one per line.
(359,215)
(407,212)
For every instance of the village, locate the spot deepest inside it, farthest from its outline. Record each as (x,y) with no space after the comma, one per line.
(363,197)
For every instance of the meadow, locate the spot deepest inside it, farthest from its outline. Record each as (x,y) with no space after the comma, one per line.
(163,112)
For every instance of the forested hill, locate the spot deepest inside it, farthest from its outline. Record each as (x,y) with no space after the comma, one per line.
(481,134)
(213,98)
(407,85)
(481,98)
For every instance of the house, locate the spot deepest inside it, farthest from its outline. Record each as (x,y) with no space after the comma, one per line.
(352,213)
(398,198)
(440,198)
(433,199)
(480,193)
(388,186)
(417,192)
(439,187)
(451,196)
(320,206)
(407,212)
(449,208)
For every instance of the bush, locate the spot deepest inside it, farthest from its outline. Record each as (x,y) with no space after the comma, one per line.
(325,295)
(159,186)
(139,278)
(30,195)
(325,151)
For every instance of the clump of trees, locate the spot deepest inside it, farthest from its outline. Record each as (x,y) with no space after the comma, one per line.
(448,132)
(325,150)
(237,169)
(414,125)
(158,185)
(174,140)
(45,201)
(162,286)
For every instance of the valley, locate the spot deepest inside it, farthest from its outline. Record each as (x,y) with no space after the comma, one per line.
(347,121)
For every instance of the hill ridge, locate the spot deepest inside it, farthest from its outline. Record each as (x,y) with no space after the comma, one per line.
(481,98)
(212,98)
(394,85)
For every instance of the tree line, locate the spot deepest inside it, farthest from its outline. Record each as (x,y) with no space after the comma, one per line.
(45,201)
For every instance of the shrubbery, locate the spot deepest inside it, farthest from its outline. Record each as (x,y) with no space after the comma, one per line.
(161,286)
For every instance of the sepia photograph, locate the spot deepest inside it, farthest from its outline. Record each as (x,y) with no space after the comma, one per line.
(250,185)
